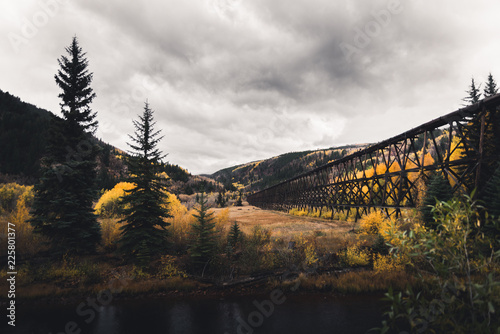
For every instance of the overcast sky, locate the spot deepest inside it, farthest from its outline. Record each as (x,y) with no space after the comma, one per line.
(232,81)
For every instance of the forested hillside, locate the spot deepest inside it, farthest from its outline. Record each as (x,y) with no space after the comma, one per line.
(23,139)
(23,133)
(261,174)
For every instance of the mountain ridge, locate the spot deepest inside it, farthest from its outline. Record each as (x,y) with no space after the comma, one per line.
(260,174)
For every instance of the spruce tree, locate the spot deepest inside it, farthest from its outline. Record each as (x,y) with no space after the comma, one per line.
(145,206)
(438,189)
(492,194)
(472,133)
(234,238)
(491,142)
(203,242)
(491,87)
(473,94)
(62,208)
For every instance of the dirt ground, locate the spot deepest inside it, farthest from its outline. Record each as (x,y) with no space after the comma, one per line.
(282,224)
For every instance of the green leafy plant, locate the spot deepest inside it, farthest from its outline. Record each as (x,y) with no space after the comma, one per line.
(462,291)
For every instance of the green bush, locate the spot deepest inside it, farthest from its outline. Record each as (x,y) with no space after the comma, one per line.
(462,288)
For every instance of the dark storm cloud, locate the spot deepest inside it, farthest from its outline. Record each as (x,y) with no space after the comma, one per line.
(237,80)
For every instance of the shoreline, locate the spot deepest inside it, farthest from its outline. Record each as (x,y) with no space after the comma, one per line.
(244,287)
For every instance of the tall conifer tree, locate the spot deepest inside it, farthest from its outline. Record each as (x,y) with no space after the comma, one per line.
(491,87)
(438,190)
(62,209)
(146,208)
(473,94)
(203,243)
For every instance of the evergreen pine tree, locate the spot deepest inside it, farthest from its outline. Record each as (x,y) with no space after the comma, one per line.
(62,208)
(474,95)
(203,242)
(144,232)
(438,189)
(492,194)
(234,238)
(491,145)
(472,133)
(491,87)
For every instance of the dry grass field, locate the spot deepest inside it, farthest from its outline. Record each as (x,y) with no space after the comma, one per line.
(328,233)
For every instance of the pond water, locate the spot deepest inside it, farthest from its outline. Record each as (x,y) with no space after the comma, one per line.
(276,313)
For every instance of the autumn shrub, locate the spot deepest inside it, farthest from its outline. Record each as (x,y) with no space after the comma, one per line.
(168,268)
(343,215)
(461,297)
(306,250)
(270,258)
(354,256)
(326,214)
(180,222)
(110,231)
(16,203)
(297,212)
(383,264)
(109,204)
(260,235)
(11,193)
(314,213)
(222,220)
(374,223)
(255,245)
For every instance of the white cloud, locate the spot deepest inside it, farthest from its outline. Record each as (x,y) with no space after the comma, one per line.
(236,80)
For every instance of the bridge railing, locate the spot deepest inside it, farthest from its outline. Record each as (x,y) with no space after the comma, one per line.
(392,174)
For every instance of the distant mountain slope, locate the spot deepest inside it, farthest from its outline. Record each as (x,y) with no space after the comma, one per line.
(23,133)
(261,174)
(23,138)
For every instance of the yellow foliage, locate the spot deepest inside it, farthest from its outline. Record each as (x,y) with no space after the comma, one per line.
(110,229)
(15,203)
(354,257)
(386,263)
(297,212)
(428,159)
(326,214)
(311,257)
(395,167)
(163,175)
(180,221)
(369,172)
(109,203)
(222,219)
(457,150)
(12,193)
(374,223)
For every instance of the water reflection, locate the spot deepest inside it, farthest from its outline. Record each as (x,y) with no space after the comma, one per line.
(297,314)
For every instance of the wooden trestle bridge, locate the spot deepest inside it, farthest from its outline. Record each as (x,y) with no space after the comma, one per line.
(392,175)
